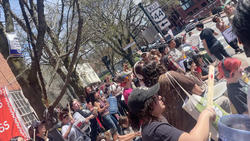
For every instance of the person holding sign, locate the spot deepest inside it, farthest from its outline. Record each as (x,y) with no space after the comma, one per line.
(227,33)
(237,89)
(210,43)
(146,110)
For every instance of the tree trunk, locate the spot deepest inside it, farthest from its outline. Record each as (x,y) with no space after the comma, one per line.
(18,67)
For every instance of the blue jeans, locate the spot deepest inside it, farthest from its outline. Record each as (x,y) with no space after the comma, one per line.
(110,123)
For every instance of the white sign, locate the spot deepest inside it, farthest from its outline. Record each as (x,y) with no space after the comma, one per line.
(153,6)
(229,35)
(14,45)
(164,24)
(158,15)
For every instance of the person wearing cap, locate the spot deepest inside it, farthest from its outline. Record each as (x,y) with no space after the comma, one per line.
(69,131)
(125,80)
(210,43)
(146,112)
(237,89)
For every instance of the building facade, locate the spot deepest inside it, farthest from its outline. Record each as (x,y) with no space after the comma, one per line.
(195,9)
(190,10)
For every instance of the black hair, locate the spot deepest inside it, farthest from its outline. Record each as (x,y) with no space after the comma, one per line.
(200,25)
(161,49)
(241,26)
(195,59)
(152,72)
(187,64)
(178,41)
(144,116)
(214,19)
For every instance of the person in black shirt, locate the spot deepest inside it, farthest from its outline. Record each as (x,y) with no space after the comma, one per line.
(236,88)
(210,43)
(145,112)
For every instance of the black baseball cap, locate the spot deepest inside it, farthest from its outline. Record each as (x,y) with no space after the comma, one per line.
(139,96)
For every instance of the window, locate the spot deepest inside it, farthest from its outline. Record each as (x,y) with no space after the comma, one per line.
(185,4)
(196,10)
(203,4)
(25,110)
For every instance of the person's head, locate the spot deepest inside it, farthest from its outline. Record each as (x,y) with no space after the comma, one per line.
(197,59)
(241,26)
(178,41)
(216,19)
(137,70)
(151,73)
(107,79)
(82,99)
(64,116)
(17,138)
(190,33)
(189,65)
(123,121)
(144,106)
(39,128)
(124,78)
(87,89)
(75,105)
(230,69)
(229,10)
(172,43)
(199,26)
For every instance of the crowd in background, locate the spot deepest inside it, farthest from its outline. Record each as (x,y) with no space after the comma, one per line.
(107,111)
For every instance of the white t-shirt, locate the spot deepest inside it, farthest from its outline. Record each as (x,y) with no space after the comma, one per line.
(75,134)
(175,53)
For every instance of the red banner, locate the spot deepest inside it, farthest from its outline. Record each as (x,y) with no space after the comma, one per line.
(10,126)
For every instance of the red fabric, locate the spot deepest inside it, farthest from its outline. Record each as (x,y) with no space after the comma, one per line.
(198,69)
(126,94)
(9,124)
(99,122)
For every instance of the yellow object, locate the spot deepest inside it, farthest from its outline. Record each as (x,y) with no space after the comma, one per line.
(245,78)
(210,93)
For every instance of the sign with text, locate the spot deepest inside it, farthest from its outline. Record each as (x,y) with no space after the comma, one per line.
(152,7)
(10,126)
(14,45)
(158,16)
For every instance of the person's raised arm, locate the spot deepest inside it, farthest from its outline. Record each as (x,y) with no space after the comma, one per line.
(201,130)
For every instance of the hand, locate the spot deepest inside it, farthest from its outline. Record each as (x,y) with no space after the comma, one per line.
(86,120)
(138,133)
(209,111)
(72,121)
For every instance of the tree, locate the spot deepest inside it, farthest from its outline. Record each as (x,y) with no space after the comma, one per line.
(114,23)
(57,46)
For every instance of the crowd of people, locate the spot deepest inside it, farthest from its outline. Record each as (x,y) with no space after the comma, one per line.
(145,102)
